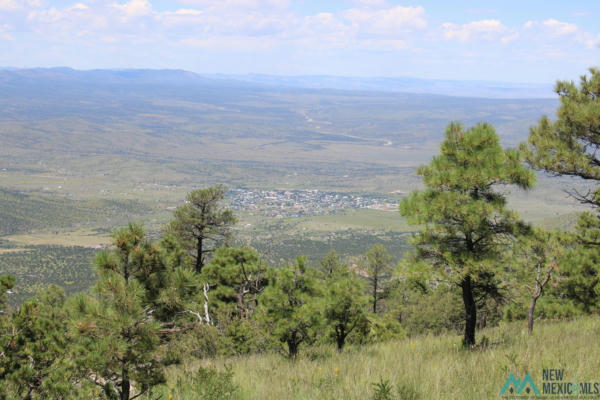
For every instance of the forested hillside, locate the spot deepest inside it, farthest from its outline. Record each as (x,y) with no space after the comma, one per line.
(20,212)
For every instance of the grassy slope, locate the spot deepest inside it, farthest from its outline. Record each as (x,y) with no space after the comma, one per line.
(430,367)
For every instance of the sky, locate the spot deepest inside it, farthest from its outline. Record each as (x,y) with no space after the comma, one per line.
(517,41)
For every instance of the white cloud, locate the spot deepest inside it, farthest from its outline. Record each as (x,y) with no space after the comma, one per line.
(14,5)
(135,8)
(558,36)
(50,15)
(386,21)
(192,22)
(371,3)
(186,11)
(78,7)
(322,23)
(510,38)
(385,44)
(10,5)
(488,29)
(237,4)
(560,28)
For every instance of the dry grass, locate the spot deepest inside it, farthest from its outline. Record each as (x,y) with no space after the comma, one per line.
(425,367)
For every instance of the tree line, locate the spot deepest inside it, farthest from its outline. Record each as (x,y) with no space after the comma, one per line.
(192,294)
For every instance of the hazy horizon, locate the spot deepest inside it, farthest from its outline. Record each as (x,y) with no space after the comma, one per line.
(278,75)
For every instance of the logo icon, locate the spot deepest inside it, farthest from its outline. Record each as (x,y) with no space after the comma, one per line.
(514,385)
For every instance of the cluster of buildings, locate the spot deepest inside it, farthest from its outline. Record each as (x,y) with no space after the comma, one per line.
(295,203)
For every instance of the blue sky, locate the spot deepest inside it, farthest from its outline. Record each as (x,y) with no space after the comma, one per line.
(522,41)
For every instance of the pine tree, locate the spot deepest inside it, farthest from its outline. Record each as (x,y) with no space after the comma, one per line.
(7,282)
(331,264)
(379,268)
(290,305)
(201,224)
(141,299)
(117,338)
(35,351)
(465,221)
(236,276)
(569,146)
(345,303)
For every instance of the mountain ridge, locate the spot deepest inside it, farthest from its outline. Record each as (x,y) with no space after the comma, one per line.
(408,85)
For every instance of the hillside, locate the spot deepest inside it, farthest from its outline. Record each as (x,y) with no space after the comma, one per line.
(427,367)
(22,212)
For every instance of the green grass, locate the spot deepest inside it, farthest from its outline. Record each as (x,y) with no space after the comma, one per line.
(425,367)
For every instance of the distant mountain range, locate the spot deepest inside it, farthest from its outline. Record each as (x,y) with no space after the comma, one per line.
(495,90)
(485,89)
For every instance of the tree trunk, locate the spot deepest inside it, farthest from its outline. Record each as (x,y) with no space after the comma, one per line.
(375,293)
(292,349)
(199,263)
(537,293)
(470,311)
(205,288)
(483,319)
(340,338)
(530,314)
(293,346)
(240,304)
(125,386)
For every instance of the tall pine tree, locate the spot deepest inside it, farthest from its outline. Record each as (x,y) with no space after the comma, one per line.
(464,219)
(569,146)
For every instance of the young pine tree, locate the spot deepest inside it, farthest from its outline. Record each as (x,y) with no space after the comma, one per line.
(290,306)
(116,338)
(236,276)
(331,264)
(465,222)
(345,303)
(36,359)
(139,302)
(379,268)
